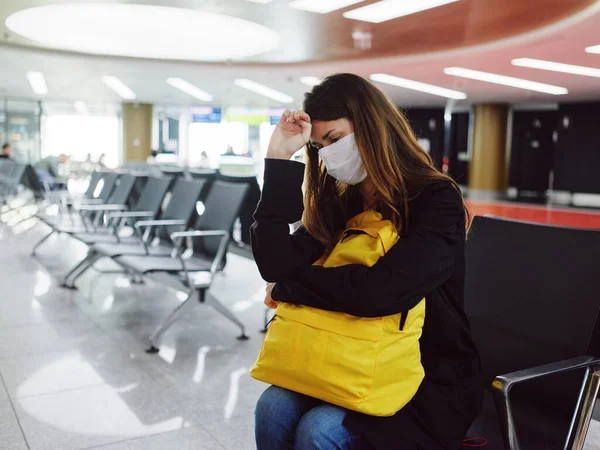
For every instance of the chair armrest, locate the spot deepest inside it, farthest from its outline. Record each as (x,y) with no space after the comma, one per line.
(197,233)
(103,207)
(159,222)
(78,203)
(149,224)
(506,381)
(176,236)
(130,214)
(502,385)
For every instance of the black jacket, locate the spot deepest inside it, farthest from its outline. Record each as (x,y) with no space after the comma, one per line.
(428,261)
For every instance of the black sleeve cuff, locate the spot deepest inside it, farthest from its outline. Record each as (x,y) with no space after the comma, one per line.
(282,189)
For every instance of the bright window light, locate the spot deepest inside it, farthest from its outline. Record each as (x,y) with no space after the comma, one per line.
(263,90)
(392,9)
(78,135)
(142,31)
(556,67)
(322,6)
(81,107)
(38,82)
(593,49)
(190,89)
(506,81)
(417,86)
(119,87)
(310,81)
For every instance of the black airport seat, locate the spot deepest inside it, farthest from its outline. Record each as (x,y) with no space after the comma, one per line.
(531,295)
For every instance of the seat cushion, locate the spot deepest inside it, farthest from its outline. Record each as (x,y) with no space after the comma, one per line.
(145,264)
(133,248)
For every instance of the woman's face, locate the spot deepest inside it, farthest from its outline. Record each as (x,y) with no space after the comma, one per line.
(325,133)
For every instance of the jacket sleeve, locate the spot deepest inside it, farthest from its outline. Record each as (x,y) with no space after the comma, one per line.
(421,261)
(276,251)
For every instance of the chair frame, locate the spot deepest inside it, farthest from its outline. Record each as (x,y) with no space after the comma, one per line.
(582,415)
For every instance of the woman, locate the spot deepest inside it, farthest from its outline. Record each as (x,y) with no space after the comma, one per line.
(377,164)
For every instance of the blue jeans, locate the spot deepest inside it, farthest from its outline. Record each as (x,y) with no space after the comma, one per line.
(288,420)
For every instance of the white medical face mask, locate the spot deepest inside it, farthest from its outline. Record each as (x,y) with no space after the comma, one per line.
(343,161)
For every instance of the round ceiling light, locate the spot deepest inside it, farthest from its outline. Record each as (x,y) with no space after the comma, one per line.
(142,31)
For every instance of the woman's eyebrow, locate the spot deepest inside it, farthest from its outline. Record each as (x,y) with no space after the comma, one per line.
(328,133)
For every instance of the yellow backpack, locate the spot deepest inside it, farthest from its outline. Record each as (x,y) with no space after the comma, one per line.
(369,365)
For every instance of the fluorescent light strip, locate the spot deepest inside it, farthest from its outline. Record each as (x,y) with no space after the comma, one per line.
(593,49)
(392,9)
(322,6)
(310,81)
(417,86)
(37,82)
(506,81)
(556,67)
(263,90)
(81,107)
(190,89)
(119,87)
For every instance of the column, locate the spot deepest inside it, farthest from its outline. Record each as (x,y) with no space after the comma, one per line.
(488,169)
(137,131)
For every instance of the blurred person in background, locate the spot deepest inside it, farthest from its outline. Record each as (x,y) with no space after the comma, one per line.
(101,162)
(6,151)
(152,158)
(204,160)
(48,169)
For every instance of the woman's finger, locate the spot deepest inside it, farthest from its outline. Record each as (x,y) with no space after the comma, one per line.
(302,116)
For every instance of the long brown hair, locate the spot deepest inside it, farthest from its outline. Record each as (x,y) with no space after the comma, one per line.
(399,168)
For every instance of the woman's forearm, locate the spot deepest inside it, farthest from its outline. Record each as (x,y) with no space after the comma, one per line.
(278,253)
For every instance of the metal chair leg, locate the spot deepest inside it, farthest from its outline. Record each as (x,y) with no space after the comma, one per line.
(584,410)
(162,327)
(80,269)
(227,313)
(35,247)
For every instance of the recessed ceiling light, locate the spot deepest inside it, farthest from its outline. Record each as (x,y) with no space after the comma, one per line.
(263,90)
(142,31)
(417,86)
(322,6)
(81,107)
(392,9)
(37,82)
(593,49)
(506,81)
(119,87)
(310,81)
(190,89)
(556,67)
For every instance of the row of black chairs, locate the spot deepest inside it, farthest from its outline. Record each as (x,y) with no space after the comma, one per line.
(176,230)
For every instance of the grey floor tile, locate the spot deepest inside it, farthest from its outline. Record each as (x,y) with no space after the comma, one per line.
(193,438)
(3,391)
(97,415)
(236,433)
(35,339)
(11,437)
(94,362)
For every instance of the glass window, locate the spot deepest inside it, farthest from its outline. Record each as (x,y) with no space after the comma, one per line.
(80,135)
(215,140)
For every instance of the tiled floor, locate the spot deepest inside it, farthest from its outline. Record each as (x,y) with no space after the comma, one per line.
(74,374)
(73,369)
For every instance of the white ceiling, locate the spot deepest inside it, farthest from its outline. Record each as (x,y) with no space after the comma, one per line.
(78,77)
